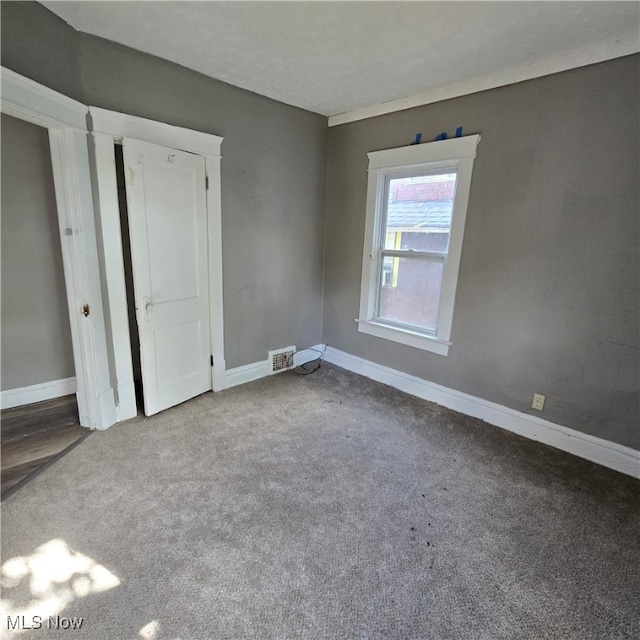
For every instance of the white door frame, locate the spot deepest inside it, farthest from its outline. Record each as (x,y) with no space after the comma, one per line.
(66,121)
(109,127)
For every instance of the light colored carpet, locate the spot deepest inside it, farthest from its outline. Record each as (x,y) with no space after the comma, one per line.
(325,506)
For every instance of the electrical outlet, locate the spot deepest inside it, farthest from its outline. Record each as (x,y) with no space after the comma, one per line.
(538,401)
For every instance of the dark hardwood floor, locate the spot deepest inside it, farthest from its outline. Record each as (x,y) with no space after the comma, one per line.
(35,436)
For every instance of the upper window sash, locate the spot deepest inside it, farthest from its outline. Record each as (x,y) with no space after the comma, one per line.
(384,178)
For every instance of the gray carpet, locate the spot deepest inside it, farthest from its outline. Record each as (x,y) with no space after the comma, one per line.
(325,506)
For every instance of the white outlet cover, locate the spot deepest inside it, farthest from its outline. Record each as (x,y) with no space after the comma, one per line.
(538,401)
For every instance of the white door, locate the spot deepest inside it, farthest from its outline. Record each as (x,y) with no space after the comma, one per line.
(166,198)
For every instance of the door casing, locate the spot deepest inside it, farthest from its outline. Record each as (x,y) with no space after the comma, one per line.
(107,129)
(88,220)
(66,121)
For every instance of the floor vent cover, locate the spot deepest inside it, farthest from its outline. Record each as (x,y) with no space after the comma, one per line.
(282,359)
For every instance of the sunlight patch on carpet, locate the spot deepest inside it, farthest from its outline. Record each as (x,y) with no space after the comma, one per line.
(43,583)
(150,631)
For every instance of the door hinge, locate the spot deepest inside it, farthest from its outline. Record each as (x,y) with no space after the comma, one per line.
(212,361)
(206,183)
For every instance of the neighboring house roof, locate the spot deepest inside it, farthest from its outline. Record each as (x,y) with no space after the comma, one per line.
(430,214)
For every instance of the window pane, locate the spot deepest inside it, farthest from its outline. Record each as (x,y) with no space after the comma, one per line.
(419,212)
(414,299)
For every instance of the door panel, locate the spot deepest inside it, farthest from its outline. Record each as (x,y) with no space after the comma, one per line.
(168,225)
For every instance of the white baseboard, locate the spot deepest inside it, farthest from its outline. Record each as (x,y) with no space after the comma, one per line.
(257,370)
(608,454)
(246,373)
(37,393)
(302,356)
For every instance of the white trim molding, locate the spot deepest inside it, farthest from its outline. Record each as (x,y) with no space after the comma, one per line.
(106,192)
(214,229)
(434,158)
(603,452)
(122,125)
(74,198)
(37,393)
(107,129)
(246,373)
(404,336)
(548,66)
(27,100)
(66,121)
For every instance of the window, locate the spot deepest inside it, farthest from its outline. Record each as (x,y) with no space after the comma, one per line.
(416,208)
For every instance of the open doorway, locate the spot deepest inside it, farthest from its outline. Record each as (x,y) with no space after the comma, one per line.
(40,412)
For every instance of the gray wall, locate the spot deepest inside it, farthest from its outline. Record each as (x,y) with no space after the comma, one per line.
(547,297)
(38,45)
(273,180)
(36,338)
(273,171)
(548,293)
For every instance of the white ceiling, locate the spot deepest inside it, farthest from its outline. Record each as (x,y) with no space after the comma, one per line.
(337,57)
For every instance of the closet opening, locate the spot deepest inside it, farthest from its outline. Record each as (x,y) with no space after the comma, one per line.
(128,277)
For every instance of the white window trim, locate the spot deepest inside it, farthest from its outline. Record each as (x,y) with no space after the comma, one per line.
(389,162)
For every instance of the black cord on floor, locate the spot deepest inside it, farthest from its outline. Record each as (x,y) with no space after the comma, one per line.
(308,367)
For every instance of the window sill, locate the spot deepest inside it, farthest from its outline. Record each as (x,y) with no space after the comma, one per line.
(404,336)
